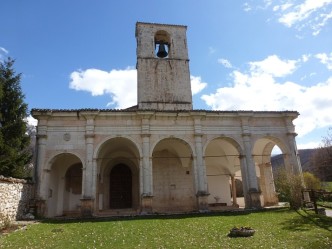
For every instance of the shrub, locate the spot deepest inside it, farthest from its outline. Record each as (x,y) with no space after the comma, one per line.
(311,181)
(289,186)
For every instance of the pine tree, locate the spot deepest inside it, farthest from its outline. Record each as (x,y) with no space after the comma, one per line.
(14,140)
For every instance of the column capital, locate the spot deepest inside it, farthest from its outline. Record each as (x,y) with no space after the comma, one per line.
(242,156)
(89,135)
(39,136)
(198,134)
(202,193)
(293,134)
(246,134)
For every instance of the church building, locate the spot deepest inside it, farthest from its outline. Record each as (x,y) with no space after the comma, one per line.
(160,156)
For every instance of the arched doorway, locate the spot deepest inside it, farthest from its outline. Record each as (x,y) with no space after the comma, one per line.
(263,152)
(64,185)
(73,189)
(120,187)
(118,166)
(223,172)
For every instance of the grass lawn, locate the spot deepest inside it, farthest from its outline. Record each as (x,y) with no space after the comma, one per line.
(326,204)
(274,229)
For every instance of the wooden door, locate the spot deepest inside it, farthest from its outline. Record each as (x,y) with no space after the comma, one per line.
(120,187)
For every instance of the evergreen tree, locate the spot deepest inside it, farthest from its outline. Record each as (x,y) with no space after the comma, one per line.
(14,140)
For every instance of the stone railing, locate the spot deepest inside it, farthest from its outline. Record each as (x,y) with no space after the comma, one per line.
(15,197)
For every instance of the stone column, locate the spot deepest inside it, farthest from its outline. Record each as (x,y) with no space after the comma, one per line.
(87,201)
(253,193)
(245,185)
(40,169)
(201,184)
(41,176)
(88,169)
(94,179)
(293,164)
(146,166)
(234,191)
(294,160)
(147,178)
(267,185)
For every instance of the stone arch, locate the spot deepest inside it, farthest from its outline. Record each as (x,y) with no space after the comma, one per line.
(262,151)
(180,139)
(231,140)
(55,155)
(263,147)
(102,143)
(65,185)
(173,176)
(117,152)
(223,166)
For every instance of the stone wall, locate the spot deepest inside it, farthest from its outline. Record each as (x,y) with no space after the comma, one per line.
(15,196)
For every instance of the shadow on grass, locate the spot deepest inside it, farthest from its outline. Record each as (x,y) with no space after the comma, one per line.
(60,220)
(305,218)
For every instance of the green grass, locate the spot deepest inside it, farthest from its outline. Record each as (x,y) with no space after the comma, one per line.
(274,229)
(327,186)
(326,204)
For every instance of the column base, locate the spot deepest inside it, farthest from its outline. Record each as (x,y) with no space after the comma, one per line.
(272,201)
(202,201)
(87,207)
(41,208)
(146,205)
(254,197)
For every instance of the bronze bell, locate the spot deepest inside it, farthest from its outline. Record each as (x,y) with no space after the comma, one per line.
(162,53)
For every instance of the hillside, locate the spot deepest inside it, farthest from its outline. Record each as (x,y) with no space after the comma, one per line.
(305,158)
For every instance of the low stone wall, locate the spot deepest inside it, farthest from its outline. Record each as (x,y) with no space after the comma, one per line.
(15,196)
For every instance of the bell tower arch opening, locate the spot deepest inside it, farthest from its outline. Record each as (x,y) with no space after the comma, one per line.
(162,44)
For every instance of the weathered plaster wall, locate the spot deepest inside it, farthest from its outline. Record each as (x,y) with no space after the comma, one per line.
(15,195)
(173,188)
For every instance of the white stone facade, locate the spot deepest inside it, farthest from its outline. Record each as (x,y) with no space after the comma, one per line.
(160,156)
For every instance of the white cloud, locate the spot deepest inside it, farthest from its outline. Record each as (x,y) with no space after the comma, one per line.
(212,50)
(309,145)
(3,53)
(302,11)
(297,14)
(324,18)
(306,57)
(260,89)
(285,6)
(31,121)
(274,66)
(226,63)
(3,50)
(247,7)
(196,84)
(325,59)
(121,85)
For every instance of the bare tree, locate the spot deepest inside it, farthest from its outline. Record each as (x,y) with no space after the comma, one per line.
(322,159)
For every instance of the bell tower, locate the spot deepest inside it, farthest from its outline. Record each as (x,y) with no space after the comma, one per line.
(163,78)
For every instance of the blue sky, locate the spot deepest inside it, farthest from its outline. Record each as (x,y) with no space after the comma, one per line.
(244,55)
